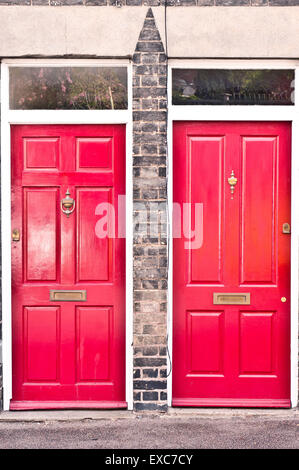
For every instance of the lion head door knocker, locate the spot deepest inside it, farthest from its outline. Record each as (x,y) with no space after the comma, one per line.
(67,204)
(232,181)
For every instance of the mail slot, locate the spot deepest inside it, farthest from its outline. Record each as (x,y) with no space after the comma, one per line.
(68,295)
(231,299)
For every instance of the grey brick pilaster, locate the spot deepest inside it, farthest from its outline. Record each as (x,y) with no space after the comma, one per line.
(150,242)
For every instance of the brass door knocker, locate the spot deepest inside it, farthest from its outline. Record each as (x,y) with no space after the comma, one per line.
(232,181)
(67,204)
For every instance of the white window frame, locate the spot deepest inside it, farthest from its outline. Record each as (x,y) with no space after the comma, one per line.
(9,117)
(242,113)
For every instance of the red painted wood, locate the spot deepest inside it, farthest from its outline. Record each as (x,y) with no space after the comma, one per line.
(233,355)
(35,351)
(41,153)
(93,362)
(94,153)
(92,252)
(230,403)
(40,210)
(206,153)
(60,405)
(67,354)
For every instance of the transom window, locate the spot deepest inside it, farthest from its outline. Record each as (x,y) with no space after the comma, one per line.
(232,87)
(79,88)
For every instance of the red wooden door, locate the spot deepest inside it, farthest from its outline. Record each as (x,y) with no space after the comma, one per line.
(235,354)
(67,353)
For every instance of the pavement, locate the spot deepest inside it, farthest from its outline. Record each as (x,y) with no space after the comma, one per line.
(177,429)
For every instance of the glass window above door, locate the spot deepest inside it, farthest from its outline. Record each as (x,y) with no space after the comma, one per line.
(68,88)
(232,87)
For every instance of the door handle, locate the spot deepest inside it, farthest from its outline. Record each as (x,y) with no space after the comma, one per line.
(286,228)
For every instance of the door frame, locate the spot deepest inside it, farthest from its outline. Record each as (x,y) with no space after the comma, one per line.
(240,113)
(10,117)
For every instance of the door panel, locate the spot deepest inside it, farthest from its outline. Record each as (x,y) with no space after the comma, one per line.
(206,187)
(205,339)
(41,153)
(256,334)
(92,251)
(259,183)
(233,354)
(40,210)
(67,354)
(41,340)
(94,153)
(93,349)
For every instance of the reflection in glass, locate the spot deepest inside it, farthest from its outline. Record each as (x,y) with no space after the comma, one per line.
(232,87)
(68,87)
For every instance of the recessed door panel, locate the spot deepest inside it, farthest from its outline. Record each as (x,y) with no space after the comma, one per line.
(41,232)
(206,188)
(257,343)
(205,340)
(258,216)
(94,334)
(93,245)
(42,343)
(94,153)
(41,153)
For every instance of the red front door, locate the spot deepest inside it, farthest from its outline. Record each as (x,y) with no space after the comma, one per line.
(68,288)
(231,296)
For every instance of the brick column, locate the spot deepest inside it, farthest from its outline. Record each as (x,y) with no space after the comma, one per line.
(150,240)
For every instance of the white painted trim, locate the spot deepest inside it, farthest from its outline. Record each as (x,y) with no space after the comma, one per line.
(60,117)
(129,248)
(234,63)
(69,116)
(233,113)
(66,62)
(295,250)
(245,113)
(170,240)
(6,244)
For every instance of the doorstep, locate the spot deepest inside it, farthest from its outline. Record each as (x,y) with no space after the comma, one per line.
(63,415)
(217,413)
(97,415)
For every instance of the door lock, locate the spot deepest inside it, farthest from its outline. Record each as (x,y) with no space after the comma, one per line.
(286,228)
(15,236)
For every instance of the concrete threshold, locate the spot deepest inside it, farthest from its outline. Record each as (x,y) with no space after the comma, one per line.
(63,415)
(217,413)
(70,416)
